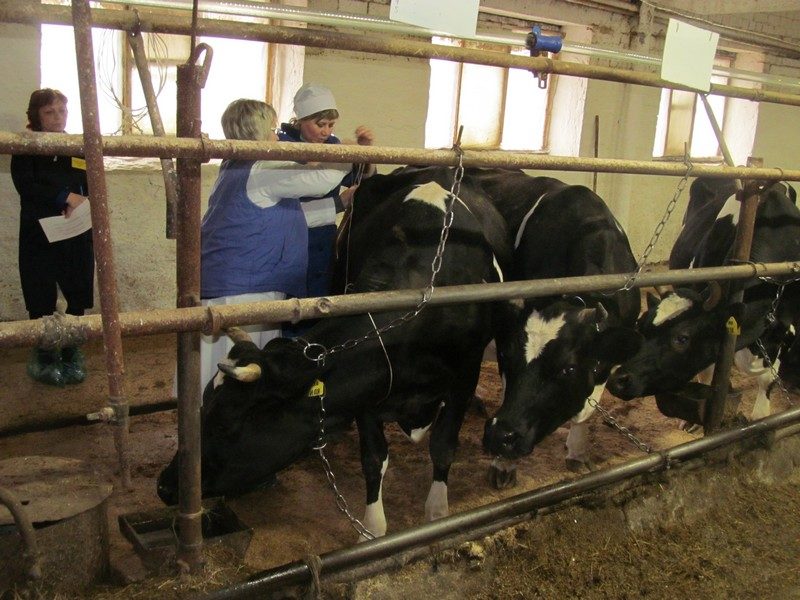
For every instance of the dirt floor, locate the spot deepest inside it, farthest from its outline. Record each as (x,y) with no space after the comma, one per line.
(745,547)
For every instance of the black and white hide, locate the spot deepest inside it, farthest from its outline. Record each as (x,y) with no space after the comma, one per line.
(683,331)
(555,352)
(260,416)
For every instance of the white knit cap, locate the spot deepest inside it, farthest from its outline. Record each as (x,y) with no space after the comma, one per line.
(311,99)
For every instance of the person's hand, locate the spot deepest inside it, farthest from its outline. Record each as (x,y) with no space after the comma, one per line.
(73,202)
(346,196)
(364,136)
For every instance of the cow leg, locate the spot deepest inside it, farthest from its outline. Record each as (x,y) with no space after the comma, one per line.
(578,437)
(443,444)
(750,364)
(374,462)
(706,376)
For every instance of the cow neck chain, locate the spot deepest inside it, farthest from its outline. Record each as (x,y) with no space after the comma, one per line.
(772,319)
(629,284)
(318,353)
(621,428)
(341,502)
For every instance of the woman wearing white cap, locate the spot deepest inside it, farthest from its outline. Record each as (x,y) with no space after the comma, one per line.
(315,116)
(254,235)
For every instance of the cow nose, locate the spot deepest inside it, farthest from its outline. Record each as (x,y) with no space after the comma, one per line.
(498,439)
(619,384)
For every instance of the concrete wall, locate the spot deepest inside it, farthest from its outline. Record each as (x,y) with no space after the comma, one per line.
(390,95)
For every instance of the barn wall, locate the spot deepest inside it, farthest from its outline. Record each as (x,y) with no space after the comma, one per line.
(390,95)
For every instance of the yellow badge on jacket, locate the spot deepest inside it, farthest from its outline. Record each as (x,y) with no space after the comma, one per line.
(78,163)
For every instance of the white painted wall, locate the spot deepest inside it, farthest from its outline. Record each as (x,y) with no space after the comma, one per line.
(390,95)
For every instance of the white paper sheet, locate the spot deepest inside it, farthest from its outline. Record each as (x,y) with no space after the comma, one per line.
(459,17)
(60,228)
(689,55)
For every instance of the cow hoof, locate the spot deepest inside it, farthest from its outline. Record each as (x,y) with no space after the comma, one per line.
(689,427)
(502,478)
(579,466)
(478,404)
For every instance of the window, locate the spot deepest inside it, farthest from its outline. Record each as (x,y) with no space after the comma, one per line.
(498,107)
(122,108)
(683,120)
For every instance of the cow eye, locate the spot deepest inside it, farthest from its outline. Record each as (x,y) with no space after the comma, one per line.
(680,342)
(568,371)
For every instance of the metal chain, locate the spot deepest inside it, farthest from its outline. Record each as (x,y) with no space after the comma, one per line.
(341,502)
(622,429)
(323,353)
(660,227)
(772,319)
(436,265)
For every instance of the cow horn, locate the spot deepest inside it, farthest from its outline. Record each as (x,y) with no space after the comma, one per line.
(714,295)
(237,334)
(247,373)
(663,290)
(595,315)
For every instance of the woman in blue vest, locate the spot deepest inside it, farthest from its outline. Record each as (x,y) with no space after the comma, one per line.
(254,237)
(315,117)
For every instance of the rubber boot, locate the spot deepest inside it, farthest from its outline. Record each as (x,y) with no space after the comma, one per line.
(45,367)
(73,365)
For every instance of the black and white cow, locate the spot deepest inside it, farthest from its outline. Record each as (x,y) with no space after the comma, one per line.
(683,332)
(555,352)
(259,415)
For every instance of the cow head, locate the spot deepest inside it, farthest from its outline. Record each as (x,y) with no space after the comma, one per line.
(681,337)
(257,418)
(551,359)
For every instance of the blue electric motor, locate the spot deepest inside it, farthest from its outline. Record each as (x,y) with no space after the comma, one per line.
(536,43)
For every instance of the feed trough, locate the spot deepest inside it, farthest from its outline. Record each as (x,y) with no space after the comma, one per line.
(154,534)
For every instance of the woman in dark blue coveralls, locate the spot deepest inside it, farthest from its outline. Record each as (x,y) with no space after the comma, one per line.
(50,186)
(315,117)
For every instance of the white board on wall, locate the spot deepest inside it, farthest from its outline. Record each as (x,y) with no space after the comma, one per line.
(458,17)
(689,55)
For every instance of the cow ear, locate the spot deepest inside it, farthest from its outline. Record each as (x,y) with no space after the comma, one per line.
(615,345)
(711,295)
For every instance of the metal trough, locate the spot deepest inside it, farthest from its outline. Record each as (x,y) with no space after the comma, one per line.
(154,534)
(66,501)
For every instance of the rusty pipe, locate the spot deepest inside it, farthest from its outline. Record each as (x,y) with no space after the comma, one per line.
(25,527)
(136,43)
(205,149)
(30,13)
(191,79)
(218,318)
(101,233)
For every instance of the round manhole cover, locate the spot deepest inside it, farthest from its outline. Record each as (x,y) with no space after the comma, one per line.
(51,488)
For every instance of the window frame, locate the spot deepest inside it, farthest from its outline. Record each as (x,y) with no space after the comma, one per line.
(497,141)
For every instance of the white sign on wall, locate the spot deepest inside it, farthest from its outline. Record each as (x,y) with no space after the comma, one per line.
(458,17)
(689,55)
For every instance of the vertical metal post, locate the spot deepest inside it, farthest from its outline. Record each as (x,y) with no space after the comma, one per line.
(596,149)
(101,232)
(718,404)
(191,79)
(167,167)
(717,407)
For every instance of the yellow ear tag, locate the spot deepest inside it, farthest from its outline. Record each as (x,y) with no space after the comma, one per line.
(733,327)
(78,163)
(317,389)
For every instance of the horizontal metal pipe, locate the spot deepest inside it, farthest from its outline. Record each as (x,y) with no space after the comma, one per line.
(25,12)
(529,502)
(21,333)
(217,318)
(206,149)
